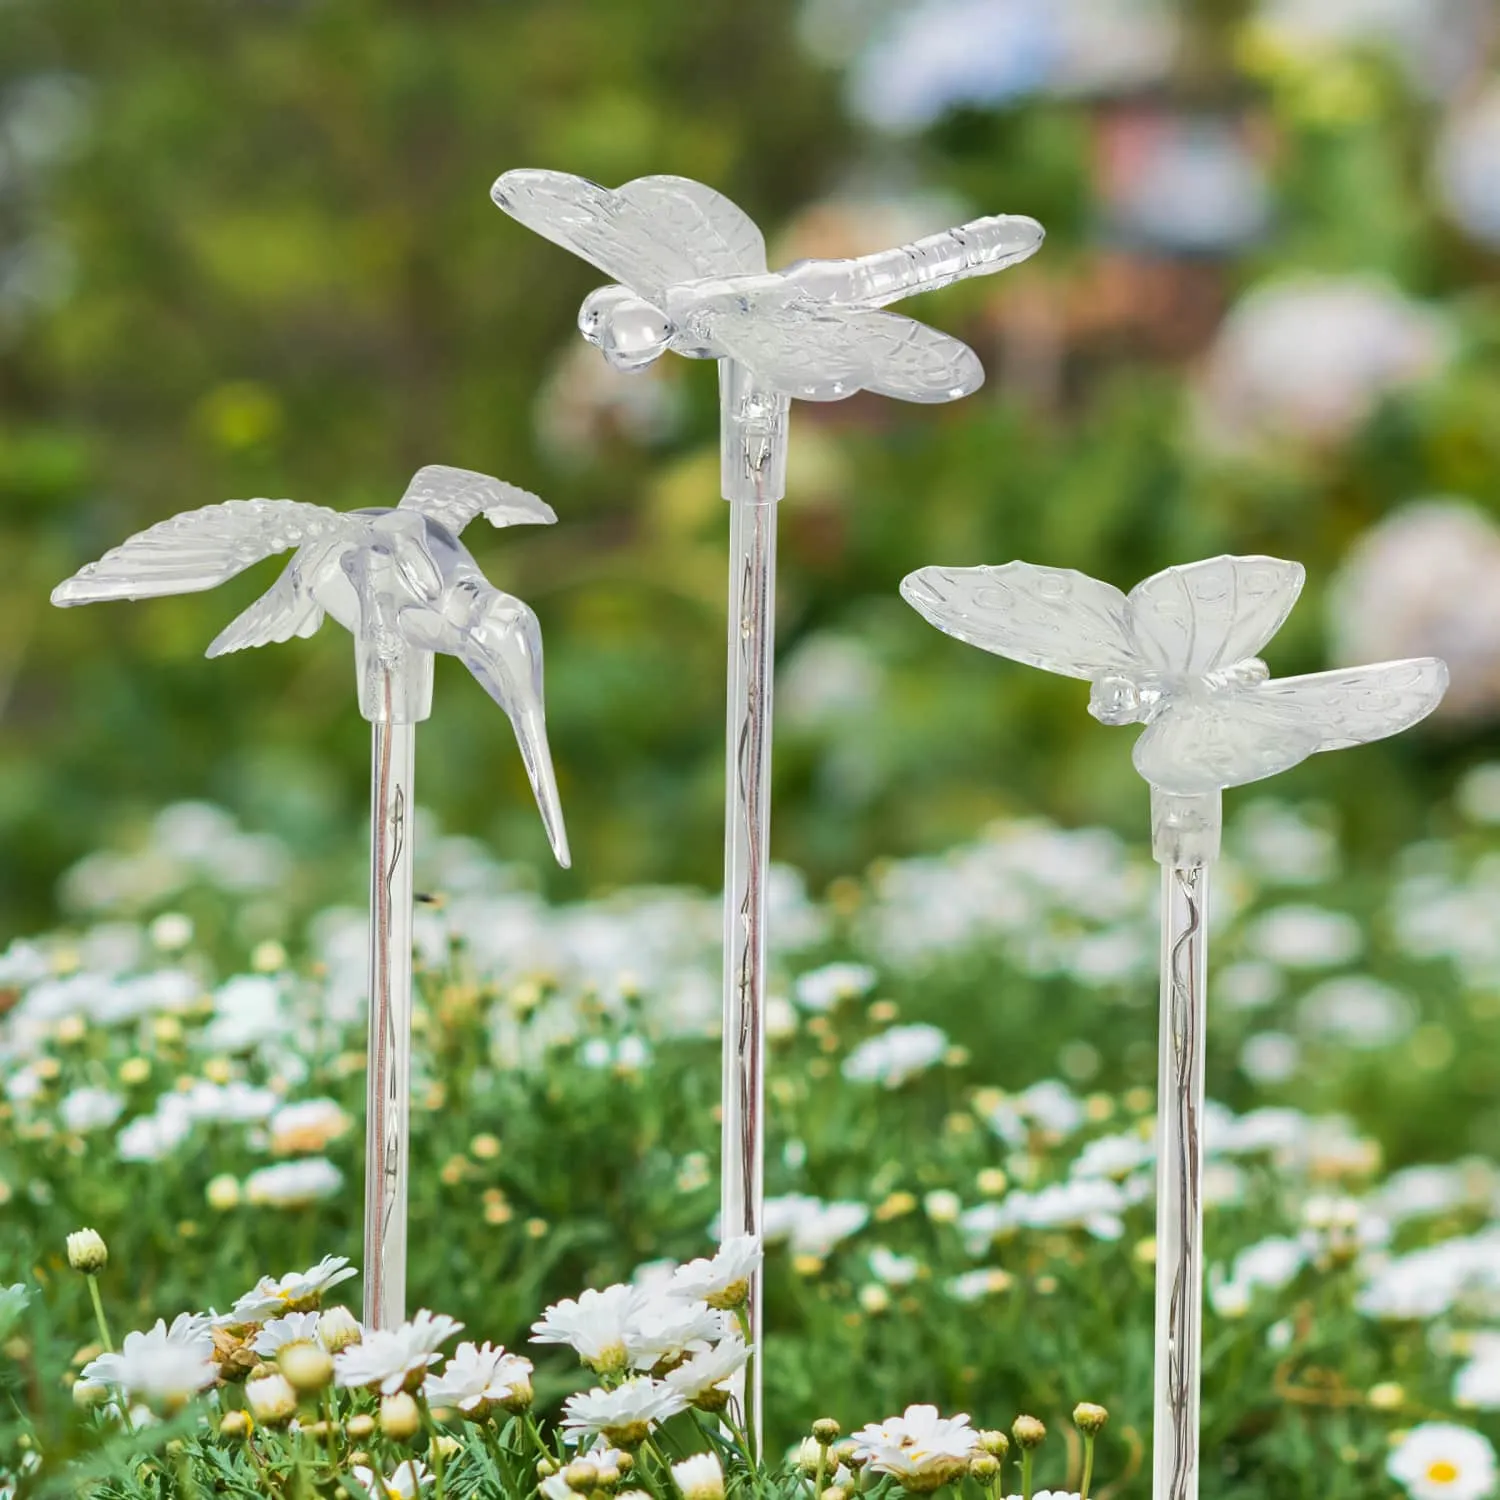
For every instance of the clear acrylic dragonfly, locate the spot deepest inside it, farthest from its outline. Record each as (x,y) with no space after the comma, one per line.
(690,268)
(1178,654)
(399,580)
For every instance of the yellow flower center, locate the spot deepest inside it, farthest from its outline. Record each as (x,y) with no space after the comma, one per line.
(1440,1471)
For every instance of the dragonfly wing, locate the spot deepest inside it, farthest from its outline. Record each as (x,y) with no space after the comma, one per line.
(453,497)
(609,230)
(1211,614)
(819,352)
(199,549)
(1054,618)
(1242,734)
(716,234)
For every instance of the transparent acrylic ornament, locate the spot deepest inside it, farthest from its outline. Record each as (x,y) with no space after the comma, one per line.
(691,268)
(1178,655)
(405,587)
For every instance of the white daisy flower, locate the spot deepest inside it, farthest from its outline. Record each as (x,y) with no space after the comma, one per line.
(597,1324)
(409,1478)
(700,1380)
(623,1416)
(822,989)
(896,1055)
(394,1359)
(1442,1461)
(921,1449)
(295,1328)
(1049,1495)
(479,1378)
(86,1109)
(297,1291)
(724,1280)
(700,1477)
(163,1366)
(664,1329)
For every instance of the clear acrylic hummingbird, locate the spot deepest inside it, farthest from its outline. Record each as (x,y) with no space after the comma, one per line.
(398,579)
(693,278)
(1178,654)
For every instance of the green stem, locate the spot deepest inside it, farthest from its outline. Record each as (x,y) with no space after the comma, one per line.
(1088,1466)
(99,1318)
(435,1448)
(1025,1474)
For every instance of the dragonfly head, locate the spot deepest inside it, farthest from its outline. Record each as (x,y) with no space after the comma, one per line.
(627,329)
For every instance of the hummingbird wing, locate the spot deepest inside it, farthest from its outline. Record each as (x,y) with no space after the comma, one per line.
(503,649)
(453,497)
(284,610)
(197,550)
(651,235)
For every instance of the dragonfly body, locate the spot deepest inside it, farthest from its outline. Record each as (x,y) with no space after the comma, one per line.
(691,268)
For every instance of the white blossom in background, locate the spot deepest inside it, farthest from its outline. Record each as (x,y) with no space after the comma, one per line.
(293,1184)
(1308,358)
(1477,795)
(1466,165)
(1270,1057)
(86,1109)
(1304,937)
(893,1056)
(1270,1264)
(1442,1461)
(1282,844)
(1426,578)
(827,681)
(934,55)
(583,406)
(1357,1010)
(823,988)
(1251,984)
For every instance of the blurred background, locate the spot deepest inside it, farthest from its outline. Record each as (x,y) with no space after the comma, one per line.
(247,249)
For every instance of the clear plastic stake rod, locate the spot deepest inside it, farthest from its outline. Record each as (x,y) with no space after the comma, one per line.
(1178,656)
(691,268)
(399,580)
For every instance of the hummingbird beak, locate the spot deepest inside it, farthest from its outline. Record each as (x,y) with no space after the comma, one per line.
(504,652)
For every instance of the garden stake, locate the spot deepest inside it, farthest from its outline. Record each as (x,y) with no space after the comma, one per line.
(694,280)
(1178,655)
(404,586)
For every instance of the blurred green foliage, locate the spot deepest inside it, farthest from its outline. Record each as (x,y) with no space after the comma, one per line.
(285,278)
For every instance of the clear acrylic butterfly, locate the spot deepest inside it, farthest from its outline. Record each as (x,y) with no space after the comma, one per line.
(692,268)
(1179,655)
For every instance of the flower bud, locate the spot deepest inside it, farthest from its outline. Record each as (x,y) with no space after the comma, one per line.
(519,1397)
(236,1426)
(1028,1432)
(339,1329)
(399,1417)
(271,1399)
(306,1367)
(984,1467)
(88,1394)
(360,1426)
(834,1492)
(994,1442)
(826,1431)
(87,1251)
(581,1475)
(1089,1419)
(545,1468)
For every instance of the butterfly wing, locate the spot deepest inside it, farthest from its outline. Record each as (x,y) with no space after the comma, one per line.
(1243,734)
(818,352)
(453,497)
(653,234)
(199,549)
(1207,615)
(1054,618)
